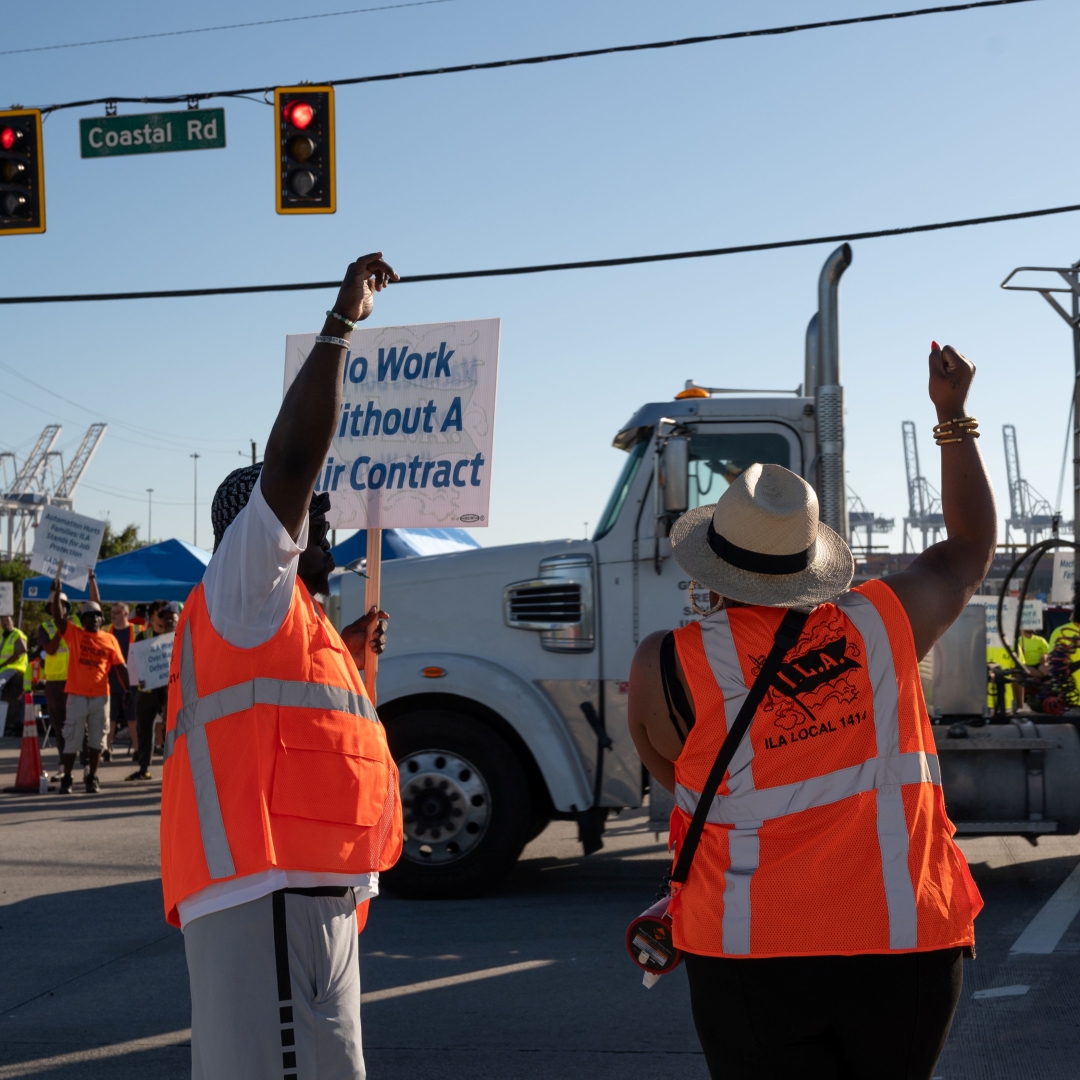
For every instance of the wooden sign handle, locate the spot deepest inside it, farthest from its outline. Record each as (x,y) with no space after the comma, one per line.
(371,598)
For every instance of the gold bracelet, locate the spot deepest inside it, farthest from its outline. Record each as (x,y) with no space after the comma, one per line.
(953,431)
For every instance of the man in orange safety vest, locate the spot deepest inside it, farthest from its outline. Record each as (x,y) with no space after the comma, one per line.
(280,798)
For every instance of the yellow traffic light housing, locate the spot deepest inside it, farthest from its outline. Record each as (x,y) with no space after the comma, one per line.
(305,182)
(22,172)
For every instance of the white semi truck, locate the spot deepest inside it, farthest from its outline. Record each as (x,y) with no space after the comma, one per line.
(504,687)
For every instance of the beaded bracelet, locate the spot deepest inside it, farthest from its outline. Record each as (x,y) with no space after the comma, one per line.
(341,318)
(953,431)
(326,339)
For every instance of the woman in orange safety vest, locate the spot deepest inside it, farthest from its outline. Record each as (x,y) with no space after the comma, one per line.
(826,909)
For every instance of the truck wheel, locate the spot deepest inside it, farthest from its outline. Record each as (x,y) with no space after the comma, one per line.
(465,801)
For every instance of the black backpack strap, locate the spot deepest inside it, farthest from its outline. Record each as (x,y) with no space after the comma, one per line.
(674,694)
(786,636)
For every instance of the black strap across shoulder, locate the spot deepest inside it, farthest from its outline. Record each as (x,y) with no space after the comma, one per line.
(786,636)
(674,694)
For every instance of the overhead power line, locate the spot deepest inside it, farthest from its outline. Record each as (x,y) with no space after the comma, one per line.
(227,26)
(541,268)
(488,65)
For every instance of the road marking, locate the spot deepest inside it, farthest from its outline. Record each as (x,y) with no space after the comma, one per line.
(1001,991)
(1042,934)
(94,1053)
(449,980)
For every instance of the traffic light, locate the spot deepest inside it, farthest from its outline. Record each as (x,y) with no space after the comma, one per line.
(22,172)
(305,134)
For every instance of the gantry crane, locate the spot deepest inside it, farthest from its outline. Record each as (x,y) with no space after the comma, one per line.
(1029,511)
(924,502)
(35,484)
(859,518)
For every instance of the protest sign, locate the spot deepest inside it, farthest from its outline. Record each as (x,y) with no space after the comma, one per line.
(7,598)
(148,661)
(70,537)
(1061,588)
(412,445)
(1032,618)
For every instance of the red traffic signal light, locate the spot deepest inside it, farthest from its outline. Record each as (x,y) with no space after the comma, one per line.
(304,181)
(22,172)
(299,114)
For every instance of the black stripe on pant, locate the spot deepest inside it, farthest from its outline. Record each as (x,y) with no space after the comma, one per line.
(284,978)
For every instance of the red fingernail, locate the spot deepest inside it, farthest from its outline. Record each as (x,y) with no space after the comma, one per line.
(934,346)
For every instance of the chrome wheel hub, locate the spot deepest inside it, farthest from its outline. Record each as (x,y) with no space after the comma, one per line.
(446,806)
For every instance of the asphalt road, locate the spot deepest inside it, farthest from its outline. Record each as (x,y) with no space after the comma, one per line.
(530,982)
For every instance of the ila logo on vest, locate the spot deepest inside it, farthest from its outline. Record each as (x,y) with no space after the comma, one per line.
(821,674)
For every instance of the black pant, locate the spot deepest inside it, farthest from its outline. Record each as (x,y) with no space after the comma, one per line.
(879,1017)
(56,703)
(148,703)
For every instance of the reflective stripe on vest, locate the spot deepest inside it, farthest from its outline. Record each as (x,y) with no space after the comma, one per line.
(195,713)
(745,809)
(56,664)
(7,650)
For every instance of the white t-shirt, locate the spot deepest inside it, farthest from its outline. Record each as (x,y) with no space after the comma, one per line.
(248,588)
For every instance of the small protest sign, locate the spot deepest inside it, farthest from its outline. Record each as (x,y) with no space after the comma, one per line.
(1032,618)
(148,661)
(412,446)
(7,598)
(1061,587)
(70,537)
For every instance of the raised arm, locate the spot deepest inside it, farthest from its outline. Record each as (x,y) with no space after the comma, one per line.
(58,616)
(300,438)
(935,588)
(95,594)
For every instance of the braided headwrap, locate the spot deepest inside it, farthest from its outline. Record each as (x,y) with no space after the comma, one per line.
(231,497)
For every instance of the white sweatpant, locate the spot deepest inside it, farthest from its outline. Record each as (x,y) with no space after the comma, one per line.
(275,989)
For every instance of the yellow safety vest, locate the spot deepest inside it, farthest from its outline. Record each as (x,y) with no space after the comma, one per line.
(7,650)
(56,665)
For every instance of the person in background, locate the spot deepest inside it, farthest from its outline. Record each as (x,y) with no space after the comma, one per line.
(56,666)
(1064,635)
(279,800)
(825,915)
(91,655)
(151,704)
(139,618)
(1032,649)
(14,664)
(121,702)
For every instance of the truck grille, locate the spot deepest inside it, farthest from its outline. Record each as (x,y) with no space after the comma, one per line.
(544,606)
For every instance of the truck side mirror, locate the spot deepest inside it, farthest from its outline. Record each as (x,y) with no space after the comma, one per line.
(674,475)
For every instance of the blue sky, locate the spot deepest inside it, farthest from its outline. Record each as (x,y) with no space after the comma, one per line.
(814,133)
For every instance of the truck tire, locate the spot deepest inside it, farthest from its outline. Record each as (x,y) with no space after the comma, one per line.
(465,802)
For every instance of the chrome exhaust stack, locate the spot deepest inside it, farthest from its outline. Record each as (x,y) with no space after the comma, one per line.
(828,393)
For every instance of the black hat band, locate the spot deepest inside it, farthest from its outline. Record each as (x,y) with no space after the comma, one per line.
(757,562)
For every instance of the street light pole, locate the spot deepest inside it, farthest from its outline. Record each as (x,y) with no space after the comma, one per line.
(1071,274)
(195,526)
(149,515)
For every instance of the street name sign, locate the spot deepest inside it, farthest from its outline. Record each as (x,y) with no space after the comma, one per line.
(152,133)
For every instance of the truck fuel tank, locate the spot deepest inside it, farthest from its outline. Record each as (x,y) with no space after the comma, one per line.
(1019,777)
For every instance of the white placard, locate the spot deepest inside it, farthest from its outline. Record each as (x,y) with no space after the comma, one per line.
(1032,617)
(1061,588)
(63,534)
(7,598)
(148,661)
(412,445)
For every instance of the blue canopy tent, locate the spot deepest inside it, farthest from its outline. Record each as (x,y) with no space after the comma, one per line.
(165,571)
(404,544)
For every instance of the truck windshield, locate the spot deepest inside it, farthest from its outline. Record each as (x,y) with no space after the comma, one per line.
(622,488)
(716,460)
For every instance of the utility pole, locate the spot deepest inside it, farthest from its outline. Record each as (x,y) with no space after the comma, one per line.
(149,515)
(195,526)
(1071,275)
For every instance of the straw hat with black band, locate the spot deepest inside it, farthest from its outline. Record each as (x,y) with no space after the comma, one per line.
(763,544)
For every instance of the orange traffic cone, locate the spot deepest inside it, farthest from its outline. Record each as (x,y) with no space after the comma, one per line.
(28,778)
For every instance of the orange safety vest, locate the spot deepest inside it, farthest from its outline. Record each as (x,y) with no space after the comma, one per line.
(829,834)
(274,757)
